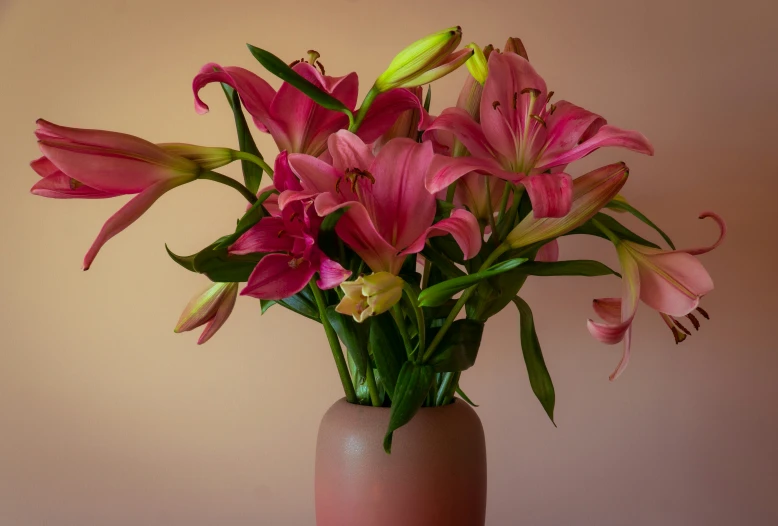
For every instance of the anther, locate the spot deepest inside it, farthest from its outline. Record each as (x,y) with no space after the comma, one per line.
(74,184)
(539,119)
(552,109)
(684,329)
(694,321)
(533,91)
(281,233)
(704,314)
(548,97)
(495,104)
(293,64)
(515,99)
(320,66)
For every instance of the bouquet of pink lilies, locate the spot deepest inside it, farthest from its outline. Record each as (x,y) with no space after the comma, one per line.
(401,233)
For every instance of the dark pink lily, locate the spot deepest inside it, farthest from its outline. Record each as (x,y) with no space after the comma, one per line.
(521,137)
(94,164)
(296,123)
(670,282)
(289,240)
(389,213)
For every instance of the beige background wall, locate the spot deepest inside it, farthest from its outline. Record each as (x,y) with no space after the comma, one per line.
(107,418)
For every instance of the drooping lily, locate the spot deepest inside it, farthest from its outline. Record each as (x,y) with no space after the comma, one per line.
(591,192)
(370,295)
(289,240)
(88,164)
(210,308)
(296,123)
(670,282)
(389,214)
(521,137)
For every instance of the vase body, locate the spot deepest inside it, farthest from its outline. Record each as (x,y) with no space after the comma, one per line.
(436,474)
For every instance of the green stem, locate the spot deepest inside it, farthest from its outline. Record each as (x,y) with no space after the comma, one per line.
(337,350)
(425,277)
(229,181)
(504,201)
(448,396)
(399,320)
(466,295)
(369,98)
(490,212)
(506,225)
(371,386)
(445,384)
(421,326)
(608,232)
(250,157)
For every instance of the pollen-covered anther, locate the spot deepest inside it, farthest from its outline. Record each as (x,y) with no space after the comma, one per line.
(515,99)
(495,104)
(75,184)
(704,314)
(281,233)
(551,109)
(352,175)
(695,322)
(296,262)
(680,326)
(295,62)
(548,97)
(539,119)
(534,92)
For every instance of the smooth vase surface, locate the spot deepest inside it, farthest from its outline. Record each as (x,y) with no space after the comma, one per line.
(436,474)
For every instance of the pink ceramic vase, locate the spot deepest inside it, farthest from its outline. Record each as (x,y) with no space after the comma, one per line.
(435,476)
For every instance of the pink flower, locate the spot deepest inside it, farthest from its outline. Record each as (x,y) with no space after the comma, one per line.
(389,213)
(521,136)
(211,308)
(670,282)
(296,123)
(289,240)
(90,164)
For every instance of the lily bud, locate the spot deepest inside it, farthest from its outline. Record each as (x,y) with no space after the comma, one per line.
(210,308)
(591,192)
(477,65)
(207,157)
(370,295)
(515,45)
(425,60)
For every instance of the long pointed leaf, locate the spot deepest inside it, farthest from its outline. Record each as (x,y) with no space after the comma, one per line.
(252,174)
(280,69)
(626,207)
(613,225)
(442,292)
(413,384)
(574,267)
(539,379)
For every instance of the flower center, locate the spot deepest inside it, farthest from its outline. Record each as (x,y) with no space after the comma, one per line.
(295,263)
(353,175)
(680,332)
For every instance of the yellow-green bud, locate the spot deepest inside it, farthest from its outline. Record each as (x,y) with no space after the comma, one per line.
(370,295)
(207,157)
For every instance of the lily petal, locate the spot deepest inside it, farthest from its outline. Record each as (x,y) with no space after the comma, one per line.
(128,214)
(607,135)
(549,253)
(356,229)
(331,274)
(278,276)
(349,152)
(463,227)
(445,170)
(458,122)
(60,186)
(551,194)
(722,234)
(265,236)
(385,110)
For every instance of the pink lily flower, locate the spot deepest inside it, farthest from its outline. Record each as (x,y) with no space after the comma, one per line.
(211,308)
(670,282)
(289,240)
(90,164)
(521,136)
(389,214)
(296,123)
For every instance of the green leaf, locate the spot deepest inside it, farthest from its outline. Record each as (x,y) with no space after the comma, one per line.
(302,303)
(217,264)
(441,263)
(574,267)
(539,379)
(266,304)
(443,208)
(462,394)
(353,335)
(185,261)
(613,225)
(626,207)
(252,174)
(412,386)
(458,349)
(332,219)
(442,292)
(249,219)
(277,67)
(387,349)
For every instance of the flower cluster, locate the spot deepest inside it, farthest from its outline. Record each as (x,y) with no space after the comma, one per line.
(383,222)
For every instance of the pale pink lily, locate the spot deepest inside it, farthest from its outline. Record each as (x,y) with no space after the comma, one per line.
(289,240)
(211,308)
(670,282)
(389,214)
(88,164)
(296,123)
(521,136)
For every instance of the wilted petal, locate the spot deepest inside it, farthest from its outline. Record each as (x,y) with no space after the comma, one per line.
(278,276)
(128,214)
